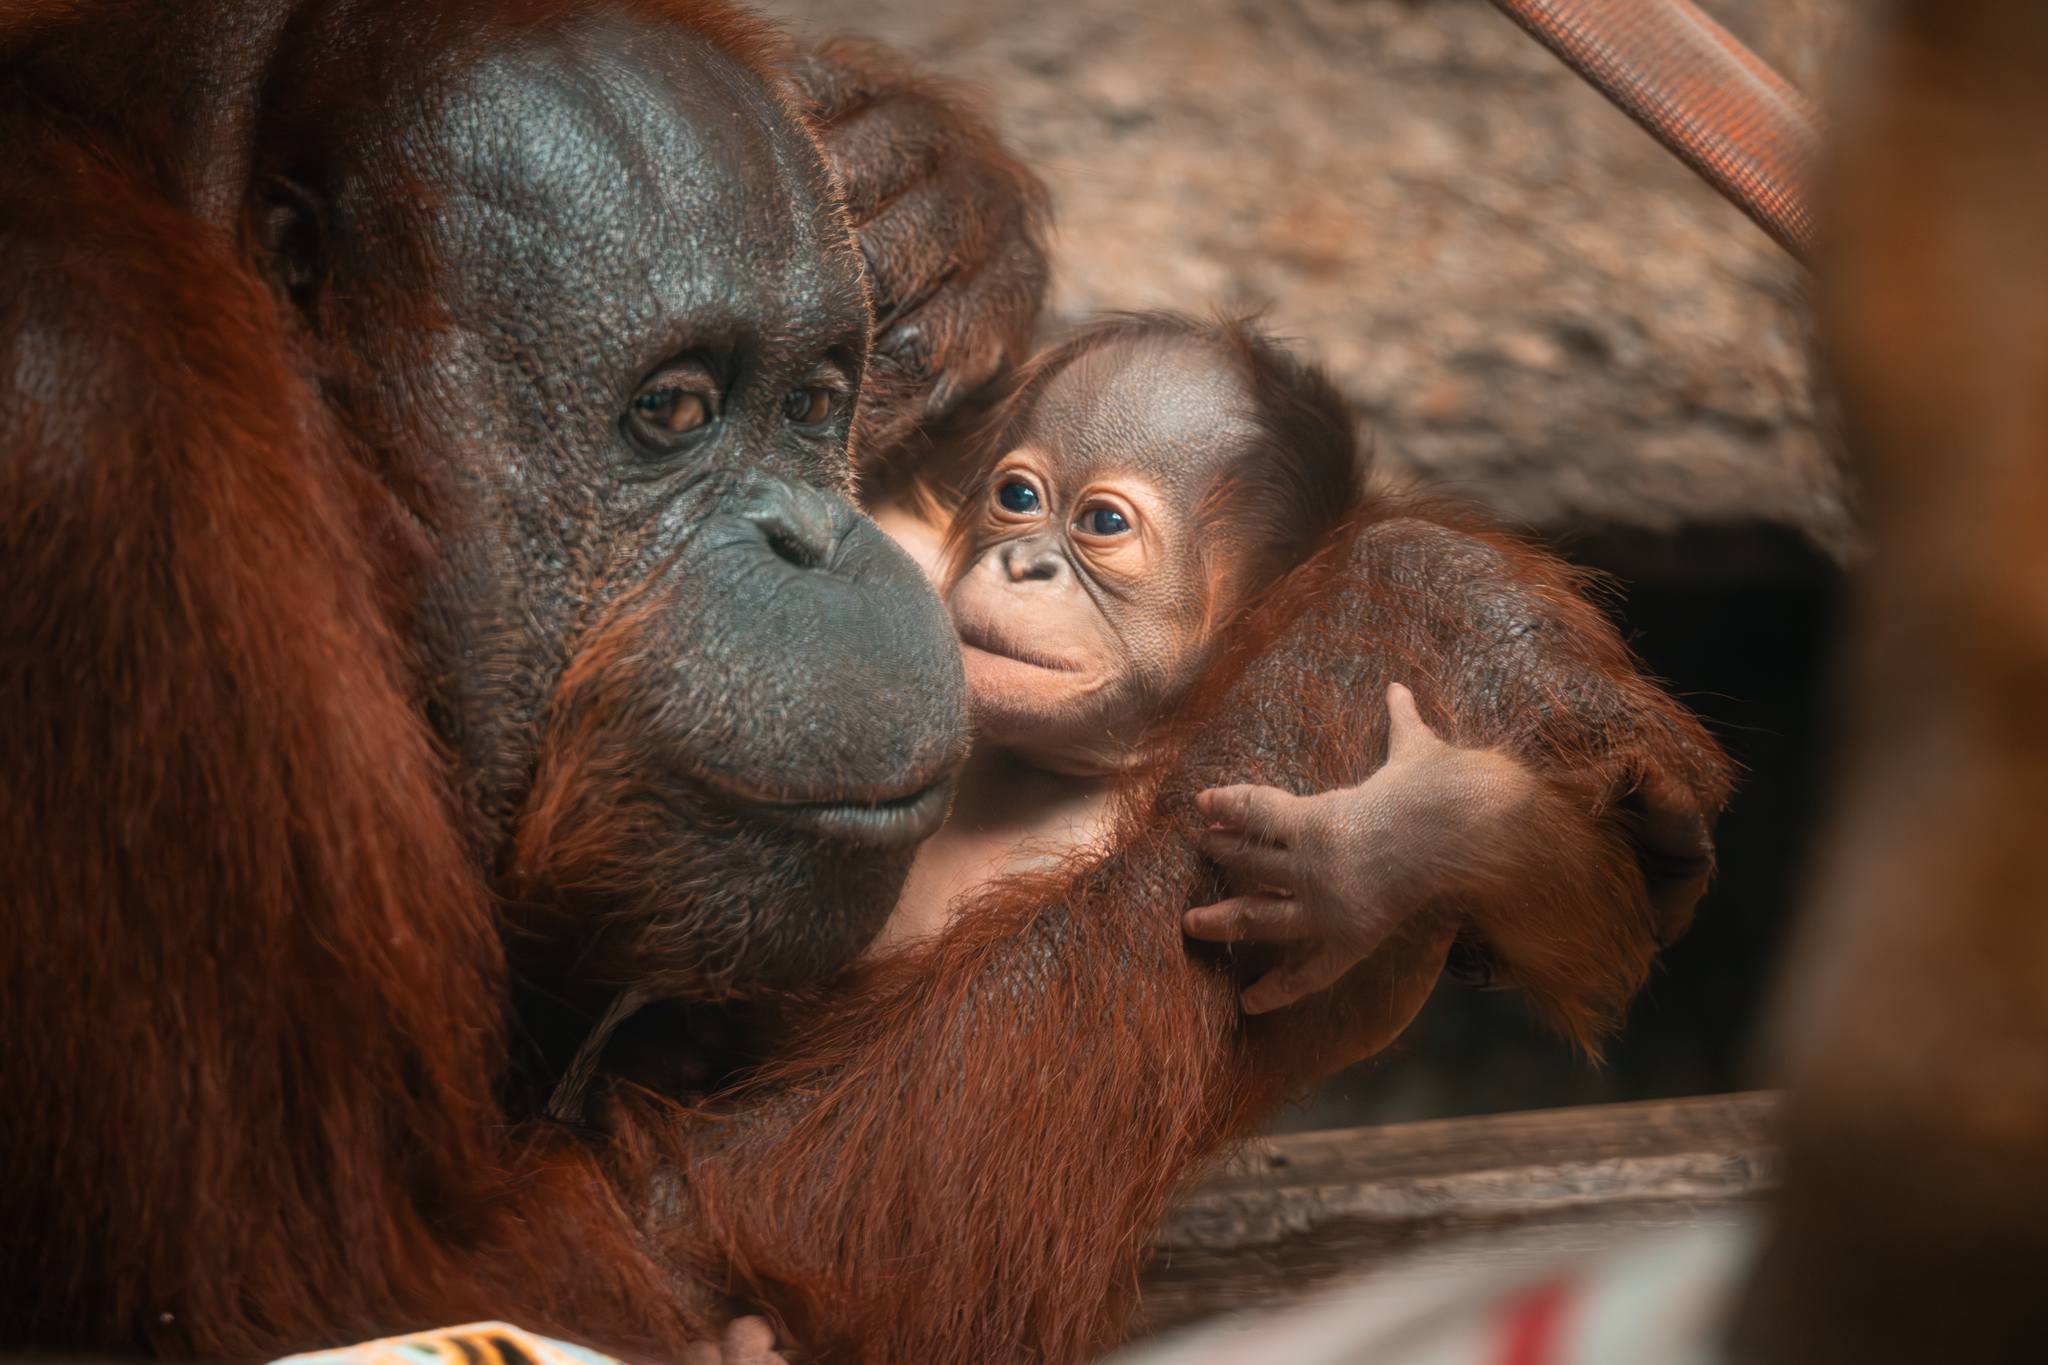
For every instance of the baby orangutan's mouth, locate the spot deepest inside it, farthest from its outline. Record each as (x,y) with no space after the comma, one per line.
(975,636)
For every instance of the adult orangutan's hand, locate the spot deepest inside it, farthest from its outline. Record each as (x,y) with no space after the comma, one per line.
(1337,874)
(951,224)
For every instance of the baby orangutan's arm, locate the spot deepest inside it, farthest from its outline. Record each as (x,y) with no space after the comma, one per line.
(1594,856)
(1338,872)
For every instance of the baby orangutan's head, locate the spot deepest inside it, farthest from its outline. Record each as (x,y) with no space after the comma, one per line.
(1151,476)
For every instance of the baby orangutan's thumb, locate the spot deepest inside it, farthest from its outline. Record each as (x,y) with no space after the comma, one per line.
(1408,736)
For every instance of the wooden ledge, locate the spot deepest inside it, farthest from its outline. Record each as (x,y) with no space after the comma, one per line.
(1289,1212)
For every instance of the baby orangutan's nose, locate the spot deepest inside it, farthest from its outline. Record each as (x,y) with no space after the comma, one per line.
(1033,559)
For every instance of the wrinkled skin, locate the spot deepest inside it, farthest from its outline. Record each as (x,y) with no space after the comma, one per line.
(952,230)
(780,596)
(357,606)
(1099,559)
(1338,873)
(382,619)
(667,217)
(1077,638)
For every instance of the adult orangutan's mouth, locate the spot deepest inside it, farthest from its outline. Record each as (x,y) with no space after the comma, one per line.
(881,821)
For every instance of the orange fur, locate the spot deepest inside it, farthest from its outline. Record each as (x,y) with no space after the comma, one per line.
(964,1157)
(251,976)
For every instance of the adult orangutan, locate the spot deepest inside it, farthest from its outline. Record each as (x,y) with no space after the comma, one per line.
(425,456)
(426,429)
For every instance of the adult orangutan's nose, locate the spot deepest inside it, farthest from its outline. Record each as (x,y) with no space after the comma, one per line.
(802,525)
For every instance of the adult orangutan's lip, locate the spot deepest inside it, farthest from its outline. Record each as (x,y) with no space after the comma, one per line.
(881,822)
(975,638)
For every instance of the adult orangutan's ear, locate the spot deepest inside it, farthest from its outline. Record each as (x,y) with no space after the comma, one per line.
(291,229)
(1365,460)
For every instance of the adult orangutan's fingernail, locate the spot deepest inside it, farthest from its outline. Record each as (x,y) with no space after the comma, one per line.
(943,395)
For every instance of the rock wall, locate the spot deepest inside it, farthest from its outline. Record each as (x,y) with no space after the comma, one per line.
(1536,307)
(1531,302)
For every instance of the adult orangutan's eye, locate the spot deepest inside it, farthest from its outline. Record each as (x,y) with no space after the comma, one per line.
(1105,521)
(673,406)
(1018,497)
(676,410)
(810,406)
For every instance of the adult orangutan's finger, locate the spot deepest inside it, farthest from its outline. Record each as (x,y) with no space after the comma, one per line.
(1293,981)
(887,147)
(703,1353)
(951,226)
(1248,862)
(1407,733)
(1253,919)
(948,324)
(938,230)
(992,312)
(1264,813)
(844,76)
(956,337)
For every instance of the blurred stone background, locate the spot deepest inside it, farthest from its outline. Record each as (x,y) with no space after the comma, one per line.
(1533,306)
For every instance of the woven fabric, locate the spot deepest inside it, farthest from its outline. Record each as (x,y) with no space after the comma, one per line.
(476,1343)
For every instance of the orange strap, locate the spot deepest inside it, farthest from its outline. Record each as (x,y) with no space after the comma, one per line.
(1715,104)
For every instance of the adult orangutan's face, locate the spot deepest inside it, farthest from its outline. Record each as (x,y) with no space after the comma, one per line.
(703,708)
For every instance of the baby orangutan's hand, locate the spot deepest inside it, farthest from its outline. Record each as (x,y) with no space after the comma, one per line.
(1337,873)
(747,1341)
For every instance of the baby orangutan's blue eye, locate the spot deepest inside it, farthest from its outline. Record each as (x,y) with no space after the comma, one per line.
(1107,521)
(1018,497)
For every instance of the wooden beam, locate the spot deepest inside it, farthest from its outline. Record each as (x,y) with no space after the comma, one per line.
(1289,1212)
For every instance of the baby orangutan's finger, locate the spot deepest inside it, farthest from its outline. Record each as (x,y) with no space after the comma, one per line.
(1256,919)
(1293,981)
(1265,813)
(1407,733)
(1251,864)
(751,1341)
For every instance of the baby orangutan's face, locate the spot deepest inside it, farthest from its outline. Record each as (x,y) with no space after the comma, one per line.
(1084,604)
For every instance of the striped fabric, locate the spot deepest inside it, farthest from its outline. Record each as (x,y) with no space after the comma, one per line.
(476,1343)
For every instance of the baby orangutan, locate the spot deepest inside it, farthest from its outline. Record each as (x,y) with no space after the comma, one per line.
(1152,477)
(1166,582)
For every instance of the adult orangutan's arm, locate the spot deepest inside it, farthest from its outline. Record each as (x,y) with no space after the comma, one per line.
(965,1157)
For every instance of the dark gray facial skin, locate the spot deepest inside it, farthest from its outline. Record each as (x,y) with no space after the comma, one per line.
(1075,641)
(676,669)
